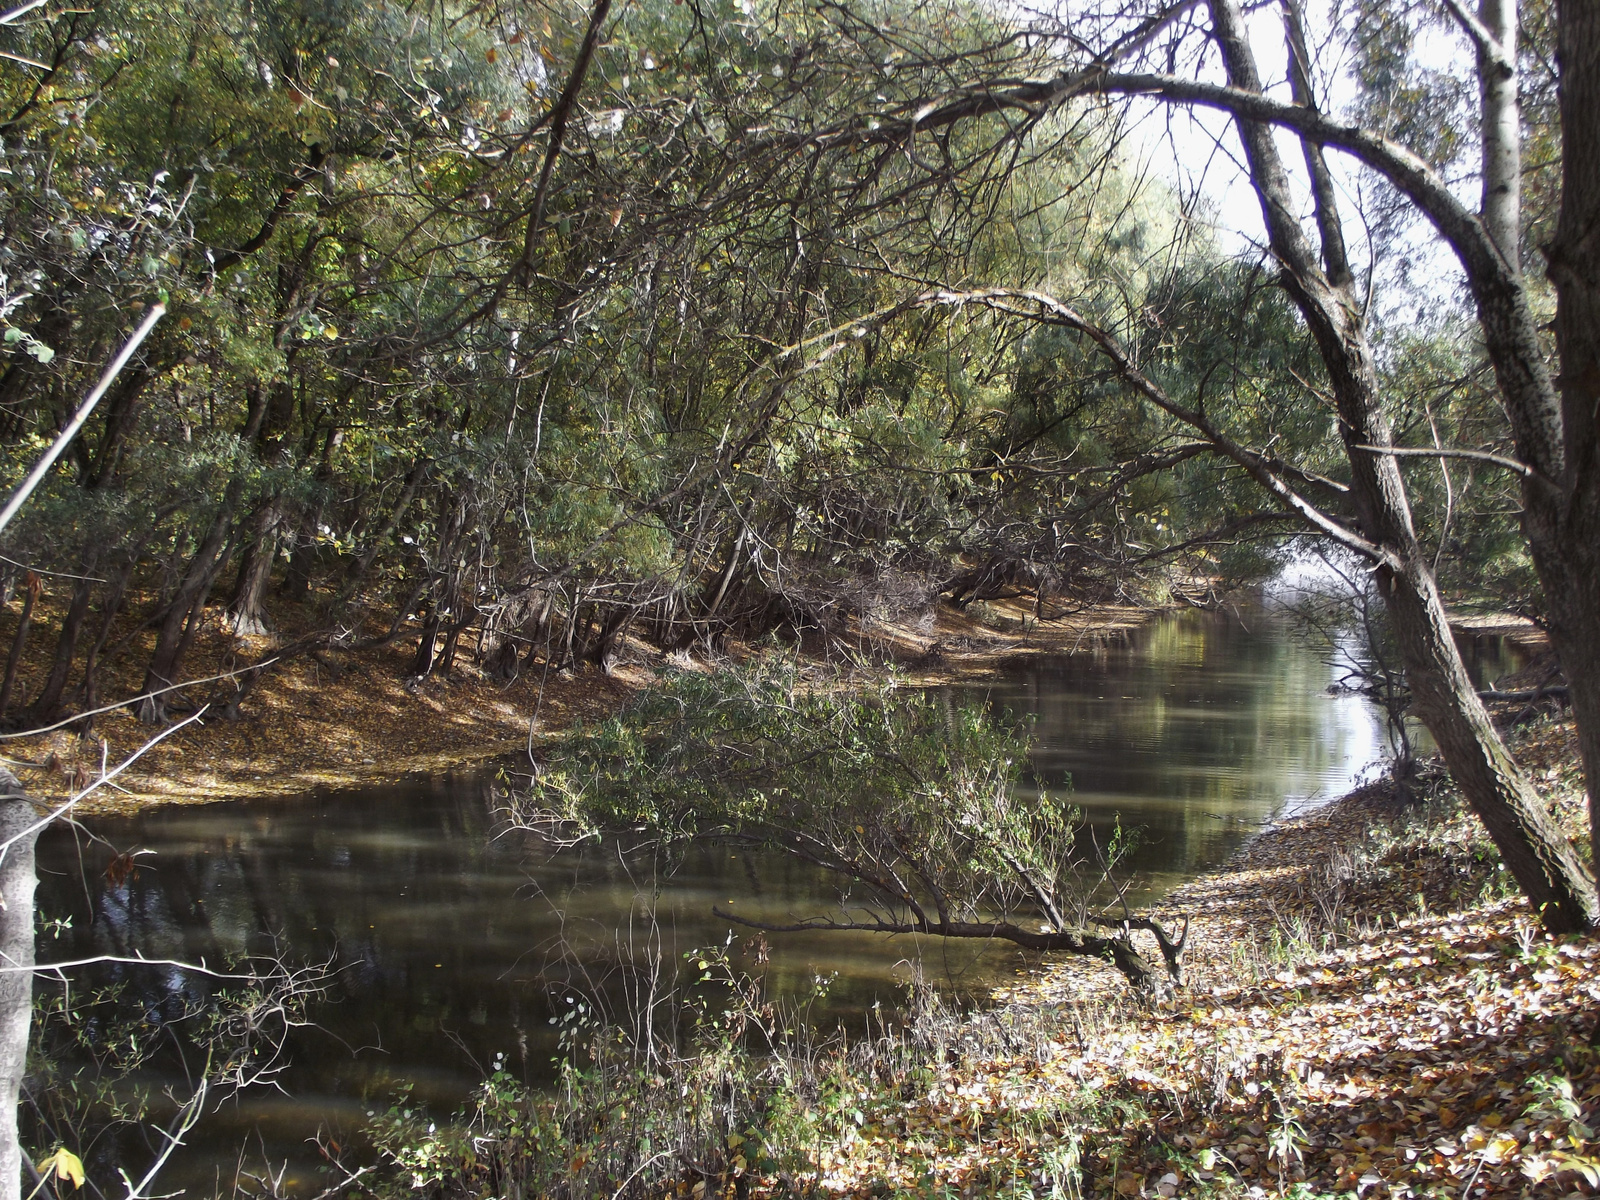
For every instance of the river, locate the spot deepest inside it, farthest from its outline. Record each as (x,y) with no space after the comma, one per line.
(453,941)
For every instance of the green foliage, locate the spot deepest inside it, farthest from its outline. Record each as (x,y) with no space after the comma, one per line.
(909,800)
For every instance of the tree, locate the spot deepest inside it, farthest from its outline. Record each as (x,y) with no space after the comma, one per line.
(1553,427)
(19,827)
(1538,855)
(1378,523)
(1565,520)
(909,803)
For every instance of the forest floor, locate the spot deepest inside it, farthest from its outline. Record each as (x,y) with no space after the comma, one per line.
(333,719)
(1370,1011)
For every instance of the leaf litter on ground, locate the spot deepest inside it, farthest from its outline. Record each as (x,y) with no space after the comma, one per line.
(1370,1012)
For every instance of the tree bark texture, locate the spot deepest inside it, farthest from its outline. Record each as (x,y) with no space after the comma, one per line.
(1573,562)
(247,605)
(1534,850)
(17,881)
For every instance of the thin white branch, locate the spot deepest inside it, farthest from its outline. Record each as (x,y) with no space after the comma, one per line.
(22,10)
(136,960)
(25,60)
(64,439)
(68,805)
(1484,41)
(1483,456)
(175,687)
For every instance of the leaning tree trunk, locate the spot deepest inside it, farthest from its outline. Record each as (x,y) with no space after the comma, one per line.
(166,658)
(1538,855)
(16,979)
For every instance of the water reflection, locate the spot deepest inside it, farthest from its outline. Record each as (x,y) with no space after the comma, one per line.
(1198,730)
(455,942)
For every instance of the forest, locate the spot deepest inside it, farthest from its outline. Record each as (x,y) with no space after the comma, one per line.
(518,335)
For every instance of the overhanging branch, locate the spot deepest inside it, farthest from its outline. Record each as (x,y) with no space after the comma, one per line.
(1483,456)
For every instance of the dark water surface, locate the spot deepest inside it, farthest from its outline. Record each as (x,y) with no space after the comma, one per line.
(456,942)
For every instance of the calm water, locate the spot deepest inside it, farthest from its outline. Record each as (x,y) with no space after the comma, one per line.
(1197,733)
(455,941)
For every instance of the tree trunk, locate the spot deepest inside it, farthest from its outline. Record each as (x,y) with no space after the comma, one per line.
(17,881)
(110,609)
(19,642)
(362,565)
(452,638)
(182,617)
(427,645)
(296,584)
(166,658)
(1542,860)
(1573,563)
(47,704)
(612,633)
(539,640)
(247,606)
(197,612)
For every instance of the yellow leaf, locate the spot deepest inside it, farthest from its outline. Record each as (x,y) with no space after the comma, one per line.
(331,332)
(1499,1149)
(65,1164)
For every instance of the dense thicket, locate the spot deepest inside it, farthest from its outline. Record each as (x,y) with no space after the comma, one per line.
(455,332)
(406,373)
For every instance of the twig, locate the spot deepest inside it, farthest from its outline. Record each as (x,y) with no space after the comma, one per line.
(136,960)
(67,806)
(55,574)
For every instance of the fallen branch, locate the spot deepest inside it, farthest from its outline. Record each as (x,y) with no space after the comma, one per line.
(1119,951)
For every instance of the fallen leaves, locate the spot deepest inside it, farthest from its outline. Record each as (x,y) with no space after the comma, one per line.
(1446,1049)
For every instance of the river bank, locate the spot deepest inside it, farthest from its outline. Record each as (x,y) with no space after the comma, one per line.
(333,719)
(1370,1011)
(1357,943)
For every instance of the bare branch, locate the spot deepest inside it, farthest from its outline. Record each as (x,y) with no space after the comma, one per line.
(105,708)
(64,438)
(106,777)
(1483,456)
(22,10)
(1482,39)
